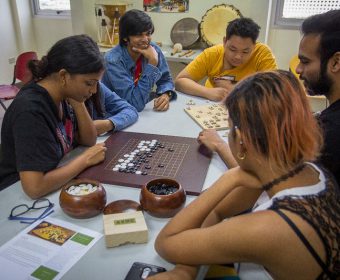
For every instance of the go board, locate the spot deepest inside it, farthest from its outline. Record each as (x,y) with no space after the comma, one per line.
(133,159)
(214,116)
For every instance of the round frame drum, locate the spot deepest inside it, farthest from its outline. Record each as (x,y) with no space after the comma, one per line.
(185,31)
(214,23)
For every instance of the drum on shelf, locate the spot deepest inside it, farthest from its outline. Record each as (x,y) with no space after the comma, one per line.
(214,23)
(185,32)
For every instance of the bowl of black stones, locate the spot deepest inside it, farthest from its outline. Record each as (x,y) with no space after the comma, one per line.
(162,197)
(82,198)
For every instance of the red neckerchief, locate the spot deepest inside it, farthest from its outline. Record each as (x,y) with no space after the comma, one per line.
(138,70)
(64,132)
(65,135)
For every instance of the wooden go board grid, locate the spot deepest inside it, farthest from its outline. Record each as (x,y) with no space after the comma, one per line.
(179,158)
(214,116)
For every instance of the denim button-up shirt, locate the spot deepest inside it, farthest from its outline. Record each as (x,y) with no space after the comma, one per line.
(116,109)
(119,76)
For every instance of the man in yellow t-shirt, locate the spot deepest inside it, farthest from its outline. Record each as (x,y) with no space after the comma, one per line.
(225,65)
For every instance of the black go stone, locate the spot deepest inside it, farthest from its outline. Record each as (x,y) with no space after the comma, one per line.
(162,189)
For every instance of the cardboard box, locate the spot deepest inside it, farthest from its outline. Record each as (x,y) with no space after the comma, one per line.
(123,228)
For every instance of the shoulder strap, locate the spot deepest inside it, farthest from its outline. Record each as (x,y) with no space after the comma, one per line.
(305,242)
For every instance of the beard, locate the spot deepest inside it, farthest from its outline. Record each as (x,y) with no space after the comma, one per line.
(322,86)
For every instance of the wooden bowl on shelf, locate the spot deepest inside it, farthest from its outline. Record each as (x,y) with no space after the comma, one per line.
(82,198)
(162,197)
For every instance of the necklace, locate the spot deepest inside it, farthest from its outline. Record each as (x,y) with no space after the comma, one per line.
(284,177)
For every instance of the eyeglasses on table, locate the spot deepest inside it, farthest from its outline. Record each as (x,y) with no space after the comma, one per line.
(19,210)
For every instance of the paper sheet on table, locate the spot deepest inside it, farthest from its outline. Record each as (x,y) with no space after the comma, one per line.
(45,250)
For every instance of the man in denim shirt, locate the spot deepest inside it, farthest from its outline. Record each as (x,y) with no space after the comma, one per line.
(136,65)
(109,111)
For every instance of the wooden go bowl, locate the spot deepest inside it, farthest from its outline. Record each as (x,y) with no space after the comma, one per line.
(162,206)
(83,206)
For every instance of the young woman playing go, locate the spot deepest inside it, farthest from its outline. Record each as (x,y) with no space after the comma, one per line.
(40,126)
(295,234)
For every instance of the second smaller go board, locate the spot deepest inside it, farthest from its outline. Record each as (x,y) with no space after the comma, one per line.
(214,116)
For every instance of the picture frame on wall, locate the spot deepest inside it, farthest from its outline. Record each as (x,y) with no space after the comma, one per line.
(166,6)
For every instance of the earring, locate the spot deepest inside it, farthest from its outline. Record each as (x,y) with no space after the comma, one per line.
(241,156)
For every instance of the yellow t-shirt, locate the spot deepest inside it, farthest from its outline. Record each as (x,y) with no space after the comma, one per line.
(210,63)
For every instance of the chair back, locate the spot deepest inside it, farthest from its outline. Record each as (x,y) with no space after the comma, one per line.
(21,71)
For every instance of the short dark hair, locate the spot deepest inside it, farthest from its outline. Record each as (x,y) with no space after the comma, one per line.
(243,27)
(134,22)
(77,54)
(327,25)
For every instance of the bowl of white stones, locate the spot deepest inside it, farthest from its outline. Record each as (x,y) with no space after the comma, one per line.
(82,198)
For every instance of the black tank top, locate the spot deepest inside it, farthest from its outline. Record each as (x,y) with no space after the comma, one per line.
(322,212)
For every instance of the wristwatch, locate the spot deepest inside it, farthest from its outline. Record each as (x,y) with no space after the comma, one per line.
(169,93)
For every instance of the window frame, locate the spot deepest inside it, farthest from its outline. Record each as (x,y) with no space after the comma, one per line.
(49,13)
(280,21)
(285,23)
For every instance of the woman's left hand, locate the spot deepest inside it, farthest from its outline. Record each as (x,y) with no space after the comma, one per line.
(74,104)
(162,103)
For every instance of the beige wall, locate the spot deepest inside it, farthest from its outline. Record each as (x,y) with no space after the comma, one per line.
(283,42)
(9,46)
(24,32)
(50,30)
(84,11)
